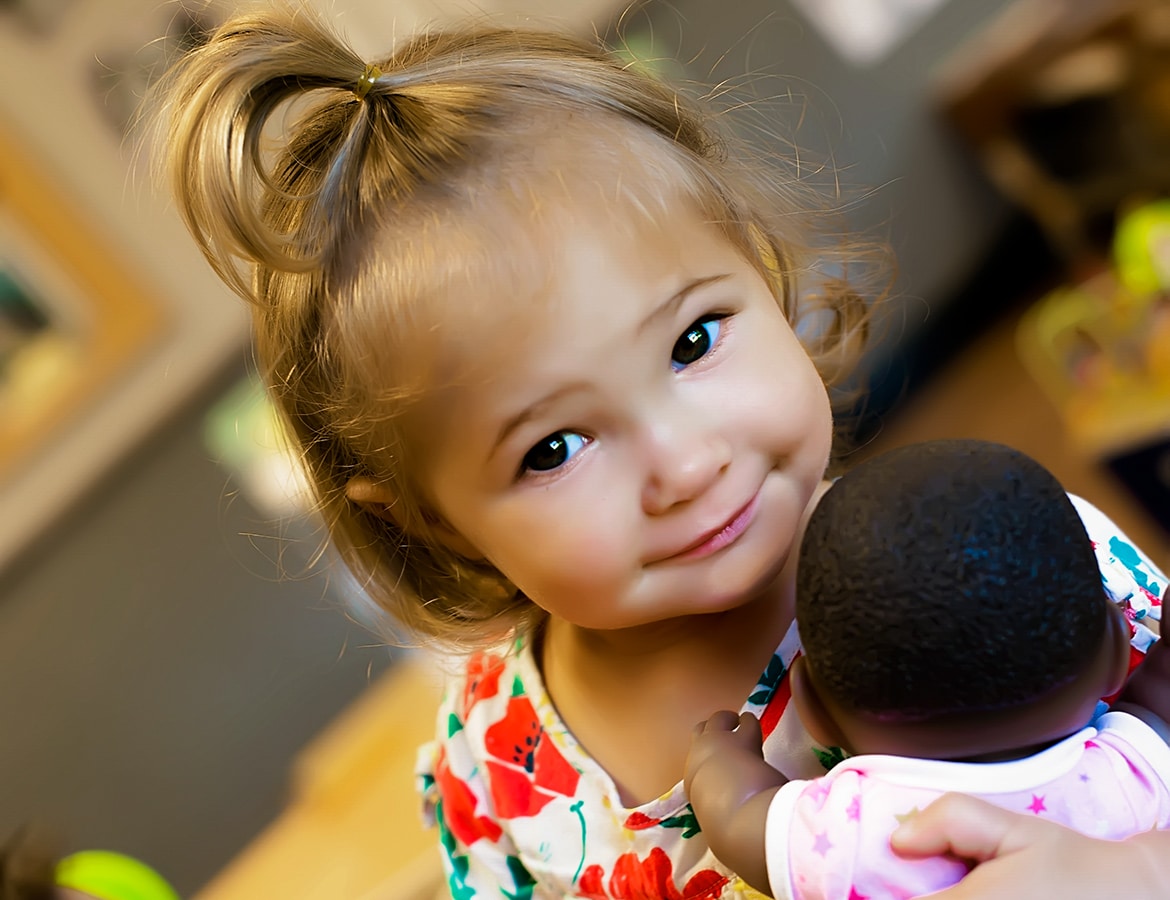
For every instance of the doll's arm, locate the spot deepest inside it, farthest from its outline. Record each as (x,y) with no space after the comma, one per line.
(1019,855)
(730,788)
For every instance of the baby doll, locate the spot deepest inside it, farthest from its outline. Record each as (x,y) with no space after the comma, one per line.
(920,662)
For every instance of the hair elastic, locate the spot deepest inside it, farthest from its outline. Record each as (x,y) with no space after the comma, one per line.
(369,76)
(112,876)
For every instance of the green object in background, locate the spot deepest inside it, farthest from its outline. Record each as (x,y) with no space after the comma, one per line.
(244,434)
(241,428)
(112,876)
(639,50)
(1141,249)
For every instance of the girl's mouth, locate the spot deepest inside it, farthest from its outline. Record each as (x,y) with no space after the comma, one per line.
(725,535)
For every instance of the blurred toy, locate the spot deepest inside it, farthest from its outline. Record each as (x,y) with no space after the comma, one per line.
(105,875)
(31,870)
(1101,349)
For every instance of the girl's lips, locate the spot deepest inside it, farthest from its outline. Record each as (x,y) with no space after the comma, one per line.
(723,536)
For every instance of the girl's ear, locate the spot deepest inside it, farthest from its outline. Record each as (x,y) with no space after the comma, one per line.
(376,499)
(379,500)
(815,717)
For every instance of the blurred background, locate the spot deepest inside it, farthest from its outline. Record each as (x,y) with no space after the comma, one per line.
(171,659)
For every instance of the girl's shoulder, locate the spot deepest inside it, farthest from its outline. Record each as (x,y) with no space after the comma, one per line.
(484,683)
(1130,577)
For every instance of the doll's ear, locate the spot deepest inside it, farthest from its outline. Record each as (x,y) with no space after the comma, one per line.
(818,721)
(379,500)
(1117,646)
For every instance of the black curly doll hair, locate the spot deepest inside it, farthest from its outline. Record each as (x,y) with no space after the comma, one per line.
(947,577)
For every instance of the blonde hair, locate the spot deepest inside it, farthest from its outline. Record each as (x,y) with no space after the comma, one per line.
(314,236)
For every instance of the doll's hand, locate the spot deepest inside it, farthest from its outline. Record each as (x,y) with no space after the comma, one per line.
(1019,855)
(730,787)
(725,749)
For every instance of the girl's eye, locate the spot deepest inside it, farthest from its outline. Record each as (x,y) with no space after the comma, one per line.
(695,343)
(552,452)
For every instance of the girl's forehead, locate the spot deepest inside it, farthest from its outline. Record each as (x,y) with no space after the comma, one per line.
(574,300)
(462,283)
(497,277)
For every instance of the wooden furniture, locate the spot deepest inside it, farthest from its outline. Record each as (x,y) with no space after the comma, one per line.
(985,392)
(1066,104)
(352,829)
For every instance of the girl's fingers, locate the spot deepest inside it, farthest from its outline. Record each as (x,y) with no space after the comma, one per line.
(962,826)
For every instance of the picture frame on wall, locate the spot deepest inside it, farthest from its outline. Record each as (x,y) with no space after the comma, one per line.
(74,318)
(111,321)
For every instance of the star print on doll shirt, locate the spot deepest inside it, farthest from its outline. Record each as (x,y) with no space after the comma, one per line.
(829,839)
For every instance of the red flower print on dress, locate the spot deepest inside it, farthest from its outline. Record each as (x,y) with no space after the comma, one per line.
(637,821)
(651,878)
(483,680)
(528,770)
(770,717)
(459,804)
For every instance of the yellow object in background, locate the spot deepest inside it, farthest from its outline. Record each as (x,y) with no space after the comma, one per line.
(106,875)
(1100,349)
(1141,249)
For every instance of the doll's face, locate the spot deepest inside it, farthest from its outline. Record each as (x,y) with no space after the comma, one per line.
(643,435)
(988,736)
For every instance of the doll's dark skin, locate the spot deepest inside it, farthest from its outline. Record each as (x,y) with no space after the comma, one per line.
(731,786)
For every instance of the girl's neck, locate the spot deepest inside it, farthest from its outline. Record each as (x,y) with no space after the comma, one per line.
(713,637)
(613,689)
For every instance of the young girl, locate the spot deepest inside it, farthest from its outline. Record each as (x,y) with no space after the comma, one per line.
(984,644)
(533,323)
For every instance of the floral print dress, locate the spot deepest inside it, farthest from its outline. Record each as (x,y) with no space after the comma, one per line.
(524,812)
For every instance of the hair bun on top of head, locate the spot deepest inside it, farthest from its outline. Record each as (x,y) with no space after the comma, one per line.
(371,74)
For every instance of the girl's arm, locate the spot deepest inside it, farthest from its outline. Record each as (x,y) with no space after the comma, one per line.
(1130,577)
(730,787)
(1018,855)
(1149,688)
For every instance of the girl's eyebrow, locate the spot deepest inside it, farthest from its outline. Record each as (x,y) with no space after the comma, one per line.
(664,310)
(668,307)
(530,412)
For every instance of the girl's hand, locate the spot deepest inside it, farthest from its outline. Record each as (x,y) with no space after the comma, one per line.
(1018,855)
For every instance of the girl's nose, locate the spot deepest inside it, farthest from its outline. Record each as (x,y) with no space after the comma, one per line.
(683,463)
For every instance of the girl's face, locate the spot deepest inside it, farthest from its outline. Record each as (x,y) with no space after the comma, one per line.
(643,437)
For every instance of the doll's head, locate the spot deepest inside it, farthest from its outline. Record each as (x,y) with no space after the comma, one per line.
(950,605)
(410,237)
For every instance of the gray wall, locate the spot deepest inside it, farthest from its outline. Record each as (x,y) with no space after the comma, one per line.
(925,193)
(158,676)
